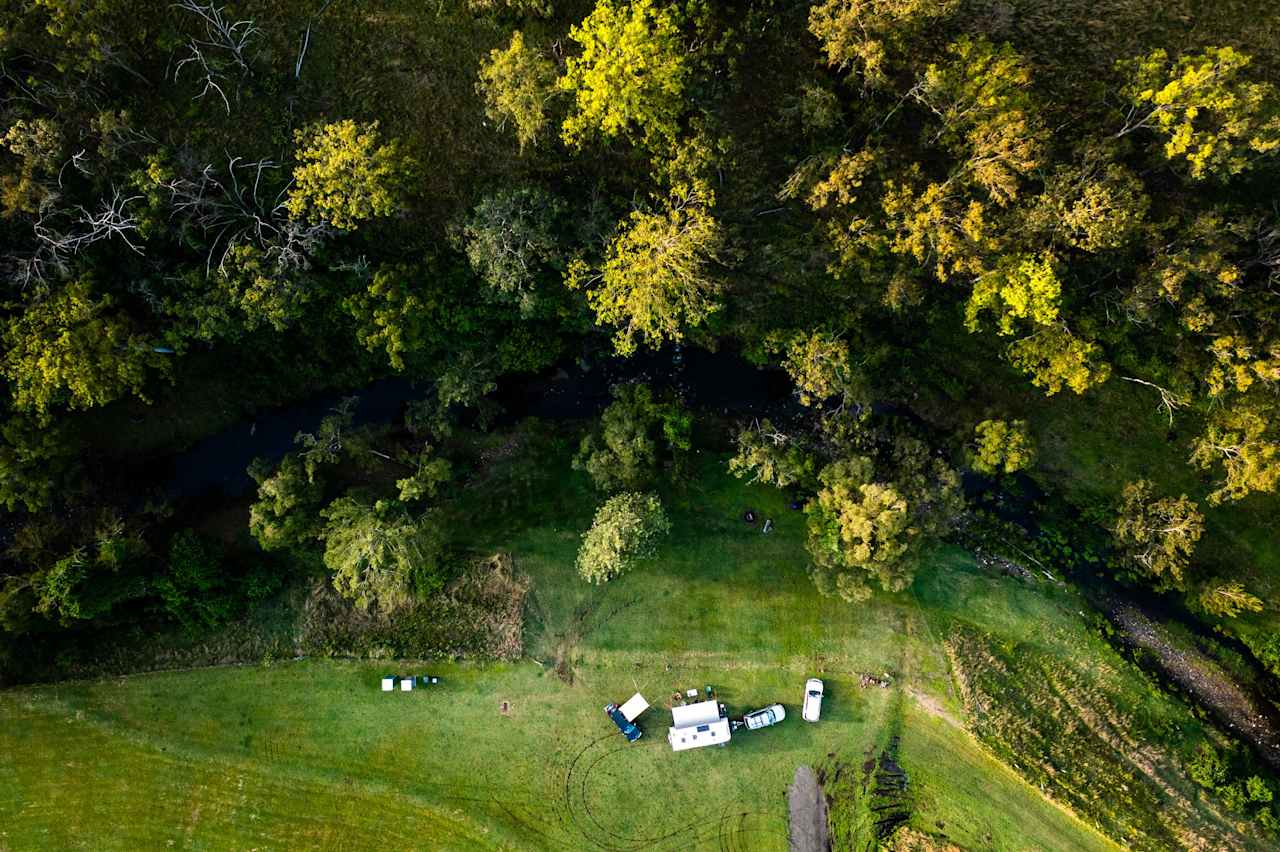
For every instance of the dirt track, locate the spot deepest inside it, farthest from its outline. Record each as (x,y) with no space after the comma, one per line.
(1196,673)
(808,813)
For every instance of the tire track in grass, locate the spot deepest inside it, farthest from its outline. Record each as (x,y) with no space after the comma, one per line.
(584,821)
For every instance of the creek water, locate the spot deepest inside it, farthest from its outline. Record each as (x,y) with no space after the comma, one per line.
(722,382)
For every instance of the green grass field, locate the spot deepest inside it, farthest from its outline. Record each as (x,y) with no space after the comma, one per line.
(312,754)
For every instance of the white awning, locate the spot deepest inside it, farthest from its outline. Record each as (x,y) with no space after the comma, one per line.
(697,736)
(702,713)
(634,706)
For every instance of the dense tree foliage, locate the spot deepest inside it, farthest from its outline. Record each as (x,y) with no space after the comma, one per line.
(640,433)
(1158,535)
(380,555)
(630,77)
(345,174)
(1002,446)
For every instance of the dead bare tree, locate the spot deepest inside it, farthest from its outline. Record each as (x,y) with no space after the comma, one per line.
(229,205)
(222,49)
(61,233)
(111,219)
(1170,401)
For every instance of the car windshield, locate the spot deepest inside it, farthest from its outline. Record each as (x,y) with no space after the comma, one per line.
(813,693)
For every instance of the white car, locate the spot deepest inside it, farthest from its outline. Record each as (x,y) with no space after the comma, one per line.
(812,700)
(770,715)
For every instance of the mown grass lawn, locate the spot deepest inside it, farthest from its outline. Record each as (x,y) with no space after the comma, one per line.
(311,753)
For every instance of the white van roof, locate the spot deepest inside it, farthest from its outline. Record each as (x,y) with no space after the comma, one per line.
(702,713)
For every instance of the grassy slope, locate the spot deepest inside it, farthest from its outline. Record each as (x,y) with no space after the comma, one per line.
(312,753)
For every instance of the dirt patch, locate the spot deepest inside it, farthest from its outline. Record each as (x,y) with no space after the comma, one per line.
(808,813)
(907,839)
(933,707)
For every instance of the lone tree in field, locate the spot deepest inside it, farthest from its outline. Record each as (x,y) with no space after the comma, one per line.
(626,530)
(1002,446)
(860,530)
(1157,536)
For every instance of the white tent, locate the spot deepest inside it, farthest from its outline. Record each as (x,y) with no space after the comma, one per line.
(388,683)
(406,684)
(634,706)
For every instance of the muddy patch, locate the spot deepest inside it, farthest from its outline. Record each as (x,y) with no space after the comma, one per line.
(808,813)
(890,802)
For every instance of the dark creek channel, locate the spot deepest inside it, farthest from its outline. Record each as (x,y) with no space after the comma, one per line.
(722,382)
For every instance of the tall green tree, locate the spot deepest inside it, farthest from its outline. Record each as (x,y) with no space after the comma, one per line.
(1002,446)
(516,84)
(285,515)
(658,279)
(626,531)
(1204,108)
(631,75)
(382,557)
(1157,535)
(640,432)
(511,240)
(346,174)
(75,348)
(859,531)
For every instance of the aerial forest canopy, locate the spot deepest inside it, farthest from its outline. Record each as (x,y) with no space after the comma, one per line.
(979,213)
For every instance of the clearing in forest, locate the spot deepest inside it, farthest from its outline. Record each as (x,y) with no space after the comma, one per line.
(519,754)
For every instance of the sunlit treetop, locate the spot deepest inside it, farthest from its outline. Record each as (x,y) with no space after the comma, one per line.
(629,80)
(1203,107)
(345,174)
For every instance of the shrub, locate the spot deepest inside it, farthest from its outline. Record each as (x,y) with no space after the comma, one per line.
(192,589)
(638,433)
(1206,767)
(626,529)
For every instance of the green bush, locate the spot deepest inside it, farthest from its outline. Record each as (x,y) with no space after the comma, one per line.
(626,529)
(193,589)
(1206,767)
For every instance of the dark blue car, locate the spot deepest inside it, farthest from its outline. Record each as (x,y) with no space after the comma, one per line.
(630,731)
